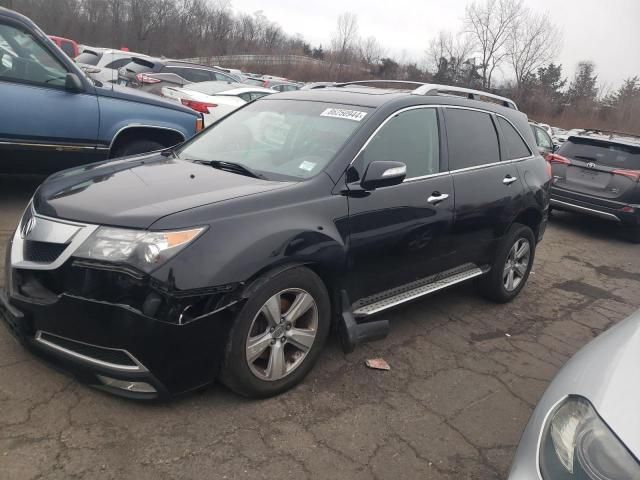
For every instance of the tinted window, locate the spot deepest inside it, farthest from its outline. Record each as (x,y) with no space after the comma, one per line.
(472,139)
(116,64)
(602,153)
(410,137)
(514,145)
(222,77)
(67,47)
(138,65)
(254,81)
(191,74)
(88,58)
(25,59)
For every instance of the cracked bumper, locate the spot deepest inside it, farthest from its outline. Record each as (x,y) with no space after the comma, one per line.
(171,358)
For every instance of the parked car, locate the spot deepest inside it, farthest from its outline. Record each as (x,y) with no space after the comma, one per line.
(285,86)
(54,117)
(586,426)
(276,83)
(543,140)
(152,74)
(70,47)
(215,99)
(596,173)
(102,64)
(560,137)
(231,255)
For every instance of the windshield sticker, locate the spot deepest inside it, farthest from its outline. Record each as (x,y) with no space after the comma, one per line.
(342,113)
(308,166)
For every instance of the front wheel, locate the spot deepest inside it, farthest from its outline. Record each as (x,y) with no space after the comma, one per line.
(512,265)
(278,335)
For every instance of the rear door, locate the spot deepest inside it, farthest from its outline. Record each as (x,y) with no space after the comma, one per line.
(488,190)
(43,126)
(402,233)
(598,171)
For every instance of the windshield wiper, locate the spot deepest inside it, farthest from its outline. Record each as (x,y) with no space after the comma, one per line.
(586,157)
(230,167)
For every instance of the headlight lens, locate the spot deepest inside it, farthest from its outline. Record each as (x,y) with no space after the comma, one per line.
(142,249)
(578,445)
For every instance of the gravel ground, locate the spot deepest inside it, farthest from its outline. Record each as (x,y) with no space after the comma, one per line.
(465,376)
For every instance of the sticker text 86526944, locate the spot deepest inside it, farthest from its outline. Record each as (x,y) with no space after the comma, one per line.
(344,113)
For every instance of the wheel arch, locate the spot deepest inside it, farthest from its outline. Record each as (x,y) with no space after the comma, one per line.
(532,218)
(166,136)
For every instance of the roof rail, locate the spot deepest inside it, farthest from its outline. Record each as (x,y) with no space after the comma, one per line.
(434,89)
(367,82)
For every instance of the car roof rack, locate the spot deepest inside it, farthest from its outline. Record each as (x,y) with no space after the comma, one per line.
(435,89)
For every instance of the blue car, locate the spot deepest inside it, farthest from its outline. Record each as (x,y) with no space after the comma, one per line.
(52,116)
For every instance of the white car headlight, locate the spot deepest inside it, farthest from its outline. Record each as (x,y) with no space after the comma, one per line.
(577,445)
(145,250)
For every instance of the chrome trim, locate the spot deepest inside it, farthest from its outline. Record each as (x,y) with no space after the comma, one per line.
(51,146)
(431,175)
(395,171)
(589,211)
(142,125)
(52,230)
(433,199)
(138,367)
(509,180)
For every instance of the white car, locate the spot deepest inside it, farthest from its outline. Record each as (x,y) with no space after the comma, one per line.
(215,99)
(102,64)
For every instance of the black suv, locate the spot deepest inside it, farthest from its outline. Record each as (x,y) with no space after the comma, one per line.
(232,255)
(596,173)
(151,74)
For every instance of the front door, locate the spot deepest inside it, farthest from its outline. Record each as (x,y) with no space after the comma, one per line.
(400,234)
(43,127)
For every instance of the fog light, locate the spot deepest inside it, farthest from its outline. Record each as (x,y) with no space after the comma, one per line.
(137,387)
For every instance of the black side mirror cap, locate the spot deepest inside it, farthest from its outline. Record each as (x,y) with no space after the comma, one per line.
(72,83)
(383,174)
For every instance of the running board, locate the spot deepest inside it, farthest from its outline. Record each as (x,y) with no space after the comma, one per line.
(405,293)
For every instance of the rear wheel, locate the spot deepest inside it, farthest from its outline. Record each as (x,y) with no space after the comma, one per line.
(278,334)
(135,147)
(512,265)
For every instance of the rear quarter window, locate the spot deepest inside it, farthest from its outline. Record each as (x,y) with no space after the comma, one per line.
(472,138)
(514,145)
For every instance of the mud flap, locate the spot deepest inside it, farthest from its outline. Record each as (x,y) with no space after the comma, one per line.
(352,333)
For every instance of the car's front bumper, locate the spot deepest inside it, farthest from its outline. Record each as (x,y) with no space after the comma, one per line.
(117,349)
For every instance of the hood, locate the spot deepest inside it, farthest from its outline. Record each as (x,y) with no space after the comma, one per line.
(136,95)
(137,191)
(606,373)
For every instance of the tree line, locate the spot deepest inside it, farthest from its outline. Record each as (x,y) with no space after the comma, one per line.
(502,37)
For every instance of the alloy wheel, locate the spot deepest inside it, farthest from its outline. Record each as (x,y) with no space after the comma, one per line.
(517,264)
(282,334)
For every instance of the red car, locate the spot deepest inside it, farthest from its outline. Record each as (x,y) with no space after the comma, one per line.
(69,47)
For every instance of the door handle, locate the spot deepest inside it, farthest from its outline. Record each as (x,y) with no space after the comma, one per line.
(437,197)
(508,180)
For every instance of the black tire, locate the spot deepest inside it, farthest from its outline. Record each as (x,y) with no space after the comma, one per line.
(236,372)
(135,147)
(492,285)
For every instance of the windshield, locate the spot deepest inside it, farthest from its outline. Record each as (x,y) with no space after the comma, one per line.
(88,58)
(278,138)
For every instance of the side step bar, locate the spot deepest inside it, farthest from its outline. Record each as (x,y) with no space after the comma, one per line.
(352,333)
(405,293)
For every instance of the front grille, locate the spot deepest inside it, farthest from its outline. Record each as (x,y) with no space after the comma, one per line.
(43,252)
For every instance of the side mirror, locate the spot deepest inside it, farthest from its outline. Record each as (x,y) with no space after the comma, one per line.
(72,83)
(383,174)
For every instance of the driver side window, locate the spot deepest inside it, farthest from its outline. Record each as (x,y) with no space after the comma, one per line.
(24,60)
(410,137)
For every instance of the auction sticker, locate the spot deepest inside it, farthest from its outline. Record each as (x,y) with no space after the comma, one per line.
(343,113)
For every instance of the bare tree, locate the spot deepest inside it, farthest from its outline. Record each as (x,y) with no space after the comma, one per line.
(345,40)
(371,51)
(451,50)
(490,23)
(533,42)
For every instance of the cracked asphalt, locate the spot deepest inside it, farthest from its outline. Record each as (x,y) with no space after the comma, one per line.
(465,377)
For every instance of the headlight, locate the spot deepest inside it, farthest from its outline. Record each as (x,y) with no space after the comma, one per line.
(578,445)
(141,249)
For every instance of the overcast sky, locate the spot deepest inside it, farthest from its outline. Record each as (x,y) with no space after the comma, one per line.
(604,31)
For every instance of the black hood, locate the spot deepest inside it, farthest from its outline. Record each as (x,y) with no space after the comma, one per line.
(137,191)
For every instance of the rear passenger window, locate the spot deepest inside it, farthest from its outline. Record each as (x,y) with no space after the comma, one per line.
(410,137)
(514,145)
(472,139)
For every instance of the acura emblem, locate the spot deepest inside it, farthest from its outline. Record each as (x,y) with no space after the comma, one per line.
(27,227)
(591,165)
